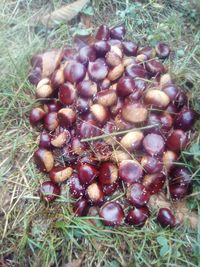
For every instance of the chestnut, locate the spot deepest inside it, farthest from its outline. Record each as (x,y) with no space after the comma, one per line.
(162,50)
(49,191)
(74,72)
(153,144)
(181,175)
(132,141)
(57,78)
(148,51)
(178,191)
(83,104)
(130,171)
(45,140)
(151,164)
(138,216)
(134,112)
(185,119)
(86,53)
(169,157)
(156,98)
(166,121)
(166,218)
(154,182)
(108,173)
(89,129)
(35,75)
(44,159)
(107,97)
(66,117)
(51,121)
(103,33)
(78,147)
(125,86)
(67,93)
(97,70)
(119,155)
(99,112)
(81,207)
(171,90)
(116,72)
(181,99)
(138,195)
(36,116)
(104,84)
(177,140)
(101,47)
(60,139)
(59,174)
(44,88)
(87,88)
(155,67)
(87,174)
(114,110)
(112,213)
(94,193)
(113,59)
(109,189)
(118,32)
(75,187)
(135,71)
(130,48)
(52,106)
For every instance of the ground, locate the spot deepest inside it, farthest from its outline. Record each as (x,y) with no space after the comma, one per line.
(33,234)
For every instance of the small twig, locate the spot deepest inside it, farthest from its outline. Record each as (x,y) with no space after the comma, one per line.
(118,133)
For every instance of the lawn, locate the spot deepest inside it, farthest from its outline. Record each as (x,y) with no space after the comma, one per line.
(35,234)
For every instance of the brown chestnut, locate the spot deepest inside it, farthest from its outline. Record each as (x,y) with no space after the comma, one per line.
(87,88)
(135,71)
(185,119)
(44,89)
(113,59)
(177,140)
(119,155)
(87,174)
(99,112)
(156,98)
(44,159)
(103,33)
(89,129)
(86,54)
(154,182)
(138,195)
(130,48)
(132,141)
(52,106)
(138,216)
(166,218)
(81,207)
(74,72)
(151,164)
(66,117)
(49,191)
(112,213)
(155,67)
(76,188)
(67,93)
(97,70)
(134,112)
(118,32)
(36,116)
(94,193)
(116,72)
(108,173)
(169,158)
(130,171)
(153,144)
(45,140)
(60,139)
(59,174)
(51,121)
(107,97)
(162,50)
(57,78)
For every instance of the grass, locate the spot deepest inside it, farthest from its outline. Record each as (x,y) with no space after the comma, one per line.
(33,234)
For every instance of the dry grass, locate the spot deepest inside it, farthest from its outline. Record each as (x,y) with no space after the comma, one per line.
(35,235)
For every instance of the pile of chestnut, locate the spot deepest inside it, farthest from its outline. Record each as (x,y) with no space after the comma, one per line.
(113,124)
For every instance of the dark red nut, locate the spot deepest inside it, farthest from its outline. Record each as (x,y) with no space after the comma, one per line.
(57,78)
(181,99)
(67,93)
(44,89)
(75,187)
(83,104)
(125,86)
(132,141)
(44,159)
(108,173)
(99,112)
(130,171)
(49,191)
(69,53)
(66,117)
(149,52)
(36,116)
(136,71)
(138,216)
(153,119)
(52,106)
(81,207)
(177,140)
(130,48)
(109,189)
(134,112)
(118,32)
(87,174)
(154,182)
(51,121)
(166,121)
(116,72)
(74,72)
(181,175)
(155,67)
(138,195)
(89,129)
(151,164)
(60,139)
(185,119)
(101,47)
(178,191)
(86,54)
(107,97)
(35,76)
(97,70)
(169,158)
(112,214)
(113,59)
(87,88)
(171,90)
(45,140)
(166,218)
(95,193)
(156,98)
(171,109)
(103,33)
(153,144)
(162,50)
(59,174)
